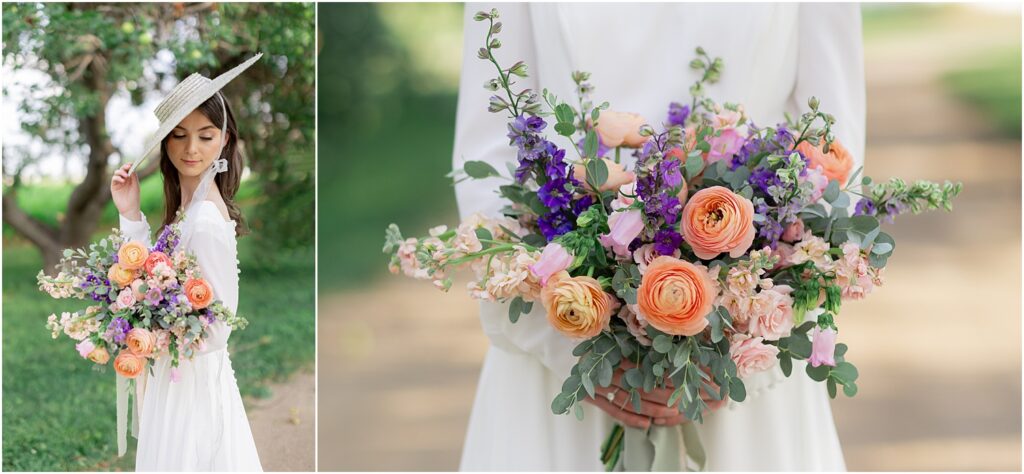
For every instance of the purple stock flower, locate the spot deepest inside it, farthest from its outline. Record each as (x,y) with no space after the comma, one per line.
(865,207)
(678,113)
(118,329)
(667,241)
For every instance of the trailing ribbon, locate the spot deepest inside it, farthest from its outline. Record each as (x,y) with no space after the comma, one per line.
(124,391)
(659,449)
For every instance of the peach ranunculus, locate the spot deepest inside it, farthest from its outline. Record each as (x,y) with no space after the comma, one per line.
(621,129)
(676,296)
(155,258)
(577,306)
(199,293)
(141,341)
(751,354)
(132,255)
(617,175)
(99,355)
(120,276)
(836,164)
(717,220)
(129,365)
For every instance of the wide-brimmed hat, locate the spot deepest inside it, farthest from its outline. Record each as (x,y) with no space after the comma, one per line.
(183,99)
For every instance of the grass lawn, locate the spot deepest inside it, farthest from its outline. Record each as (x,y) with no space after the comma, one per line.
(992,83)
(59,412)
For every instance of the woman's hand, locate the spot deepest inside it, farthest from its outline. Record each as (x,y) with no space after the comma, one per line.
(125,191)
(653,405)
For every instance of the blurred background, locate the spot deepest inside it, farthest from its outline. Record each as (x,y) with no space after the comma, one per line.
(80,84)
(399,360)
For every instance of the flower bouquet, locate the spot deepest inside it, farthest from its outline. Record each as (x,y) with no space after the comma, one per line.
(726,250)
(149,302)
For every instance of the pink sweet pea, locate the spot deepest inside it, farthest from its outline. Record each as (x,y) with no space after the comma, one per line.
(85,348)
(724,145)
(623,228)
(823,347)
(553,260)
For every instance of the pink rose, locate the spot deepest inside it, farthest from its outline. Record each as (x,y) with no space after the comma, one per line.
(125,299)
(552,260)
(724,145)
(636,326)
(646,254)
(794,231)
(623,228)
(621,129)
(751,354)
(85,348)
(823,347)
(772,314)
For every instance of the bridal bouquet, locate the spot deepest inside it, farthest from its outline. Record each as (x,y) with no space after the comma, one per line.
(726,250)
(148,302)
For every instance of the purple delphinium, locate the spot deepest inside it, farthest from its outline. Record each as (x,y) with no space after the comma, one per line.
(656,187)
(543,161)
(99,282)
(167,241)
(778,202)
(865,207)
(118,329)
(678,113)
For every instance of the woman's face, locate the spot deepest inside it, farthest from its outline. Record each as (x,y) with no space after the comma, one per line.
(194,144)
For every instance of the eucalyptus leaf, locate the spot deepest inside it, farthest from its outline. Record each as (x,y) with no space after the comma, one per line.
(479,169)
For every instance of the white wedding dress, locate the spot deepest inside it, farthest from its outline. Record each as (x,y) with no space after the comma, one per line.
(198,422)
(776,56)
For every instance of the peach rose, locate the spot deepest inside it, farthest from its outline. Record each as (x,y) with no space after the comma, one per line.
(120,276)
(717,220)
(136,287)
(140,341)
(836,164)
(621,129)
(751,354)
(617,175)
(772,313)
(199,293)
(675,296)
(132,255)
(577,306)
(129,365)
(155,258)
(99,355)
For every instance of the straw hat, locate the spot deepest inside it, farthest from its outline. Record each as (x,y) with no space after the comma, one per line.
(183,99)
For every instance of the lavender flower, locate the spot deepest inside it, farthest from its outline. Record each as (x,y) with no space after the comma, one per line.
(678,113)
(117,330)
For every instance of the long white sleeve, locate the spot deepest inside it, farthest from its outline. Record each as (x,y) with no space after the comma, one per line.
(831,68)
(480,135)
(135,230)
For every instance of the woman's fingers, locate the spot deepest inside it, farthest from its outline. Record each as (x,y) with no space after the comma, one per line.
(621,399)
(627,418)
(678,419)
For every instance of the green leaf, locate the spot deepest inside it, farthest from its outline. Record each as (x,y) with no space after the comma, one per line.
(662,344)
(597,173)
(565,129)
(786,364)
(588,385)
(850,389)
(479,169)
(737,391)
(800,346)
(564,113)
(515,309)
(590,144)
(605,372)
(634,377)
(831,191)
(844,372)
(882,248)
(694,165)
(831,388)
(819,373)
(560,405)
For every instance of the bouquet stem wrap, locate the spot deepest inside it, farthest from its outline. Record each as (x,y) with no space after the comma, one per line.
(658,449)
(124,390)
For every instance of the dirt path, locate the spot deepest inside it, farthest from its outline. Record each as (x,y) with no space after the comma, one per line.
(284,425)
(399,360)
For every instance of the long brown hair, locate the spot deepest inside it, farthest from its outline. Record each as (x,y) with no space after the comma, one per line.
(227,182)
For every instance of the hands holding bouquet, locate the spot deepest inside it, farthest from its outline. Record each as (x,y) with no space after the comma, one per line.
(727,249)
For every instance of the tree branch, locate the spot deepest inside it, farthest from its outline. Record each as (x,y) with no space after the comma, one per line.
(38,232)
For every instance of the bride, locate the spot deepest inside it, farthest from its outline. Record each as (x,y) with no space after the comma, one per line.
(775,57)
(191,417)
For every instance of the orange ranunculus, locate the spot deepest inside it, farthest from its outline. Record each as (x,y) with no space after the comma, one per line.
(675,296)
(155,258)
(120,276)
(836,164)
(617,175)
(577,306)
(199,293)
(132,255)
(620,129)
(99,355)
(140,341)
(717,220)
(129,365)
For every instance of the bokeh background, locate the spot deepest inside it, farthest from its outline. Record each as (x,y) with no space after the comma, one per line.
(938,347)
(80,84)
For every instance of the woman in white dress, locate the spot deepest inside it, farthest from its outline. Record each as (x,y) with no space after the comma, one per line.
(192,417)
(775,57)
